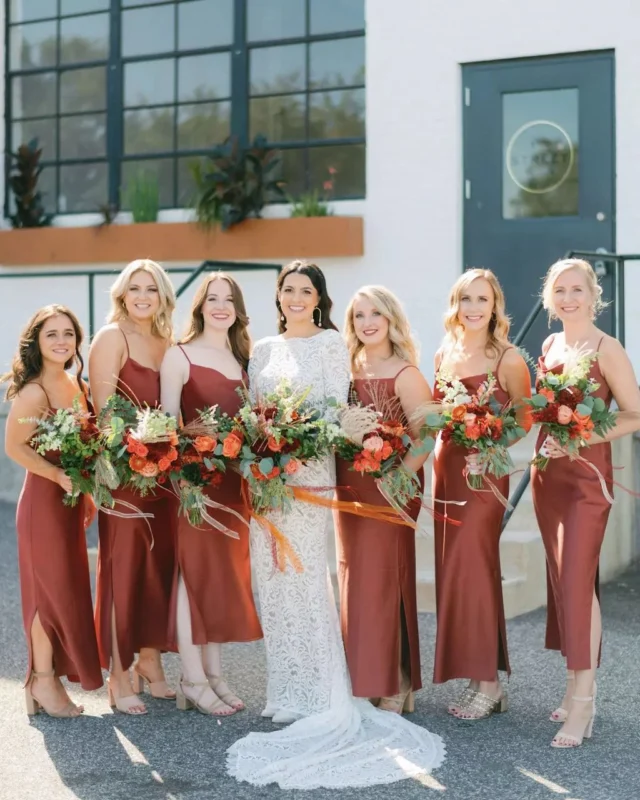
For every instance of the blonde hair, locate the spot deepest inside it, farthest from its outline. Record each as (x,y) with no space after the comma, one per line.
(239,339)
(391,309)
(499,324)
(162,324)
(556,270)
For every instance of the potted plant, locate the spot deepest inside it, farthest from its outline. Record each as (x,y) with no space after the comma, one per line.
(23,181)
(143,197)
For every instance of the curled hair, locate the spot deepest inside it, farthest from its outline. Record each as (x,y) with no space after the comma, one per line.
(384,301)
(499,324)
(316,276)
(239,339)
(162,325)
(27,363)
(556,270)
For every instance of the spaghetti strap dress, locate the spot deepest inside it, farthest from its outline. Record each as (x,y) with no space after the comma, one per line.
(377,573)
(471,637)
(572,514)
(134,577)
(54,577)
(215,568)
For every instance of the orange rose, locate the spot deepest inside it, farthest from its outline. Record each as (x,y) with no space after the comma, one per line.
(548,393)
(150,470)
(137,463)
(292,466)
(204,444)
(458,413)
(164,464)
(231,446)
(473,432)
(387,451)
(274,445)
(565,415)
(173,439)
(172,454)
(140,449)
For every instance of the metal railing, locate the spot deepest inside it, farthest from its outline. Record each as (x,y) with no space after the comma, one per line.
(193,273)
(599,259)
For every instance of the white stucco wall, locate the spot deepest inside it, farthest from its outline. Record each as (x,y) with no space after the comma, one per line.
(413,210)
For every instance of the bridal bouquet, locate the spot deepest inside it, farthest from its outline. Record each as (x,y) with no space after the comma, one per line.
(479,424)
(275,437)
(73,436)
(565,407)
(141,443)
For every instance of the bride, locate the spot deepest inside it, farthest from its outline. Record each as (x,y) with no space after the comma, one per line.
(335,740)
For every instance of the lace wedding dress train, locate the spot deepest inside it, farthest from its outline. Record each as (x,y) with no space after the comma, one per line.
(338,740)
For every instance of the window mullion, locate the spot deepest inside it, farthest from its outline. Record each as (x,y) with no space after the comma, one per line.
(240,74)
(115,104)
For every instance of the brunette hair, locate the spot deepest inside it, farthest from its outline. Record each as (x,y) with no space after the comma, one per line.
(316,276)
(499,324)
(556,270)
(239,339)
(391,309)
(162,325)
(27,362)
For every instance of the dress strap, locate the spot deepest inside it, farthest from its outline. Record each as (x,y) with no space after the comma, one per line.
(126,341)
(504,352)
(408,366)
(45,393)
(600,342)
(548,347)
(184,353)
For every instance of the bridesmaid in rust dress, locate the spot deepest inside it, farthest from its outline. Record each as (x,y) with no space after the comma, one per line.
(133,580)
(471,640)
(377,560)
(212,600)
(52,547)
(570,505)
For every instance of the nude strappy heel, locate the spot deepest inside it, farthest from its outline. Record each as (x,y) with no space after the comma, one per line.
(34,706)
(158,689)
(124,705)
(221,688)
(399,703)
(218,708)
(567,741)
(561,713)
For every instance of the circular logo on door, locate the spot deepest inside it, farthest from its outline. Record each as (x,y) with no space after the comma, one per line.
(539,157)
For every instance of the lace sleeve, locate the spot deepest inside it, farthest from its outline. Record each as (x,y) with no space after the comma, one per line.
(256,364)
(336,371)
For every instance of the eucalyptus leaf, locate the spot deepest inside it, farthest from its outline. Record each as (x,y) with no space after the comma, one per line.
(265,465)
(539,401)
(583,410)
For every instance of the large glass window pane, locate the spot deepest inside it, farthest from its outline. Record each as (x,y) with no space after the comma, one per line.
(149,131)
(336,114)
(336,63)
(204,125)
(83,90)
(205,23)
(348,161)
(148,30)
(148,83)
(82,6)
(47,188)
(44,130)
(277,69)
(26,10)
(335,16)
(294,171)
(186,183)
(160,169)
(83,187)
(280,119)
(33,95)
(34,45)
(84,38)
(275,19)
(540,176)
(83,136)
(204,77)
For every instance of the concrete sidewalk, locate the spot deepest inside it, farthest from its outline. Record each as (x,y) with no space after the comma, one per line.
(169,755)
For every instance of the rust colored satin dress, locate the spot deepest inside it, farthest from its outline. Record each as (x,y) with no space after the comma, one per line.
(471,638)
(54,578)
(376,576)
(215,568)
(131,576)
(572,514)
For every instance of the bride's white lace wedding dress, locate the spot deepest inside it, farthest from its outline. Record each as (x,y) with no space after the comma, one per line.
(337,740)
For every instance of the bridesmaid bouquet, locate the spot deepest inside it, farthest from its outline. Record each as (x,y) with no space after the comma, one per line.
(141,443)
(565,408)
(72,434)
(479,424)
(275,438)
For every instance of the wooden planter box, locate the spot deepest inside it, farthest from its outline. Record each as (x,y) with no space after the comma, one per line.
(252,240)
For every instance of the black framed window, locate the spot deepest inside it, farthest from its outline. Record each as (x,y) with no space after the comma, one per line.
(115,87)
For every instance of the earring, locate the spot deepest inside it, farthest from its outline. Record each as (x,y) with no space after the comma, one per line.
(319,322)
(283,318)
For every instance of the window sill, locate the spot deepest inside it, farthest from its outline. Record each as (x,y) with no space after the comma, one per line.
(287,238)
